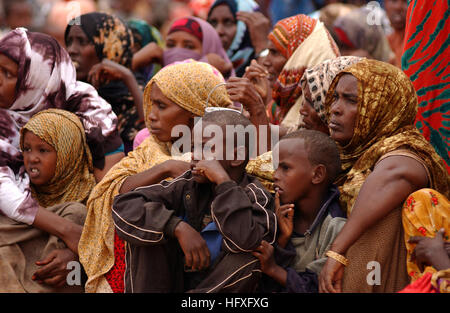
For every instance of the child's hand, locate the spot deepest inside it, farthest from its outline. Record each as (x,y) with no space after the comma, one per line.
(285,216)
(265,255)
(210,169)
(54,268)
(195,250)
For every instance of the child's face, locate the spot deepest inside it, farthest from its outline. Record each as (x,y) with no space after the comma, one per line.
(293,175)
(39,158)
(8,81)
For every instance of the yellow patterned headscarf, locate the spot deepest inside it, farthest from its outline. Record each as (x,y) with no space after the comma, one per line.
(387,107)
(74,179)
(188,84)
(424,213)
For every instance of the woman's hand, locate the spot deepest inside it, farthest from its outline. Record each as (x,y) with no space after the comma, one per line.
(175,168)
(257,74)
(106,71)
(219,63)
(258,27)
(243,91)
(53,269)
(330,278)
(430,251)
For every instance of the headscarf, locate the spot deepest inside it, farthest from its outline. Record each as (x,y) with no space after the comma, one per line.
(188,84)
(47,79)
(319,77)
(424,213)
(305,42)
(144,34)
(112,38)
(387,107)
(73,179)
(211,43)
(241,50)
(354,31)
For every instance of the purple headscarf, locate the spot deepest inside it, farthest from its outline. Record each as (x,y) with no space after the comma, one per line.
(211,43)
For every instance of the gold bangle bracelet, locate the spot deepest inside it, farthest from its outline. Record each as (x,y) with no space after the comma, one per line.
(338,257)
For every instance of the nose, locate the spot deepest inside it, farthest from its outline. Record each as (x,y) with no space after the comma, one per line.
(220,29)
(336,108)
(73,49)
(153,115)
(32,157)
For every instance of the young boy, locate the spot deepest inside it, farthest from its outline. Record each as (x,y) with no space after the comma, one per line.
(309,218)
(213,216)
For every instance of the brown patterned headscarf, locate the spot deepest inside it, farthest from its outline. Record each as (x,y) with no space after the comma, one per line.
(387,107)
(74,179)
(112,38)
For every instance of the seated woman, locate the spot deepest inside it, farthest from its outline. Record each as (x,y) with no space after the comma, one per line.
(37,74)
(187,38)
(296,43)
(174,96)
(426,222)
(372,106)
(242,29)
(100,46)
(58,164)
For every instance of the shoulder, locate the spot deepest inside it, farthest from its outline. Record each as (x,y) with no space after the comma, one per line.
(403,165)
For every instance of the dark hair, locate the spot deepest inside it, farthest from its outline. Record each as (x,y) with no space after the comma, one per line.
(233,118)
(321,149)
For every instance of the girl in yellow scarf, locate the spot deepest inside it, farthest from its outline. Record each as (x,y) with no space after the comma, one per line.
(186,84)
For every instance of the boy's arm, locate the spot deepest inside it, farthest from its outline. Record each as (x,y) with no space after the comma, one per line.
(244,216)
(147,215)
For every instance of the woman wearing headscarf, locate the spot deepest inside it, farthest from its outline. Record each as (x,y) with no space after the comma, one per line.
(58,161)
(38,75)
(372,106)
(356,35)
(181,93)
(242,29)
(295,43)
(100,46)
(187,38)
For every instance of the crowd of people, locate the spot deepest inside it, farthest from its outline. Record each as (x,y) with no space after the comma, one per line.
(347,169)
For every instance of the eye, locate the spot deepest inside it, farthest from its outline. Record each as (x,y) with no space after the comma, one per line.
(213,23)
(170,44)
(26,149)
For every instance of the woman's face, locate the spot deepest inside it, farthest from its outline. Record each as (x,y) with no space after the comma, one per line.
(166,114)
(274,63)
(81,51)
(344,109)
(8,80)
(181,39)
(224,23)
(310,117)
(396,11)
(39,158)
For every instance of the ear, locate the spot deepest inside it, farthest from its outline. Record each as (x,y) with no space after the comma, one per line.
(240,156)
(319,174)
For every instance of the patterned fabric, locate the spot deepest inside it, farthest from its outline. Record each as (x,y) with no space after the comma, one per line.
(425,61)
(73,180)
(354,32)
(386,112)
(290,32)
(188,26)
(241,50)
(111,37)
(188,84)
(316,48)
(424,213)
(46,79)
(318,79)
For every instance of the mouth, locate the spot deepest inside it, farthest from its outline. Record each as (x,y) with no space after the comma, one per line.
(333,125)
(34,172)
(155,131)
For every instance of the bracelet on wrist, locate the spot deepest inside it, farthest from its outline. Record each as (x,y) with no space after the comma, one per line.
(338,257)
